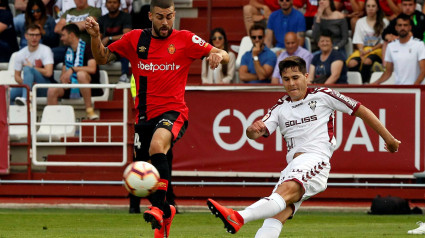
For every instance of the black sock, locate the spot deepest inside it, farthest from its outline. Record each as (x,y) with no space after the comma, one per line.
(158,198)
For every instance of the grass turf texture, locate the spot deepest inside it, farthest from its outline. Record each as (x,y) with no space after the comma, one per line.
(118,223)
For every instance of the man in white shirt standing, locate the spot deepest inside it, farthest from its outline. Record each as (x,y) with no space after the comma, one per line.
(305,118)
(36,62)
(405,56)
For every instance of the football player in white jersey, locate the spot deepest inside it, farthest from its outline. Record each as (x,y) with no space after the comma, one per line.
(305,117)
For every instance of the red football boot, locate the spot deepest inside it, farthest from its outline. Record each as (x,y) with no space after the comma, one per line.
(154,216)
(231,218)
(160,233)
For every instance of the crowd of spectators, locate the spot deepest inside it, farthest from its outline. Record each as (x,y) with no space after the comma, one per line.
(371,26)
(42,42)
(277,28)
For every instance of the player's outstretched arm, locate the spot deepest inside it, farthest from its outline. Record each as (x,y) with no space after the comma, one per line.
(101,54)
(256,130)
(391,143)
(217,56)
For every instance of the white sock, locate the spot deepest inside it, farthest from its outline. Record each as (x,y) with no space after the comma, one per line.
(265,209)
(271,229)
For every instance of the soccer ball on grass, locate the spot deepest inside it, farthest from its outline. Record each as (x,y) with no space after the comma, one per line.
(140,178)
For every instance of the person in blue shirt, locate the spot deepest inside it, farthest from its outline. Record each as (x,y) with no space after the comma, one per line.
(328,67)
(257,64)
(282,21)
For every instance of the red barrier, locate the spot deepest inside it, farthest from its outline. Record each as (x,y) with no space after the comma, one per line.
(216,141)
(4,131)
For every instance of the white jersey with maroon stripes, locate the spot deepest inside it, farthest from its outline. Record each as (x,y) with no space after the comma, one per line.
(308,124)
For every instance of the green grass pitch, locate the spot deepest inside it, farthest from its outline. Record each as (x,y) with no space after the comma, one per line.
(118,223)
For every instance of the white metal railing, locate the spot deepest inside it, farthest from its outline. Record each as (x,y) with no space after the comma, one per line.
(80,142)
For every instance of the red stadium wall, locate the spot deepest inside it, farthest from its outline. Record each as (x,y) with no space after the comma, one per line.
(216,141)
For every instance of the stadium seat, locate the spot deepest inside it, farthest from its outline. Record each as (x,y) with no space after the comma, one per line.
(17,114)
(7,77)
(56,114)
(246,45)
(354,77)
(307,43)
(376,75)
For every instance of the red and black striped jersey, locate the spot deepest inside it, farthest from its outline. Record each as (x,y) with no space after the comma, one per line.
(160,68)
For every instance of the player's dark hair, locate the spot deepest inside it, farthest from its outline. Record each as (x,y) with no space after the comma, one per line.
(408,1)
(32,26)
(161,4)
(72,28)
(256,27)
(293,62)
(404,17)
(226,46)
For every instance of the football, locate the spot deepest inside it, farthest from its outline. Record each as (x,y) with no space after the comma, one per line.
(140,178)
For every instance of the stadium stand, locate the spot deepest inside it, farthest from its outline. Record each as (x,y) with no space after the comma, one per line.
(354,77)
(376,75)
(56,114)
(17,114)
(104,79)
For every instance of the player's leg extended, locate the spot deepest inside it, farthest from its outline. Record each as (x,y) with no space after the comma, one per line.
(288,193)
(160,144)
(272,226)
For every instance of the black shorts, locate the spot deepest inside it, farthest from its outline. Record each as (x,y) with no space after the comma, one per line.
(144,130)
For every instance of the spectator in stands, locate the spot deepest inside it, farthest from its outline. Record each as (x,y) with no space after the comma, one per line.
(292,49)
(36,62)
(8,42)
(408,7)
(112,27)
(122,7)
(367,38)
(77,16)
(258,12)
(61,6)
(354,11)
(21,7)
(405,56)
(282,21)
(310,10)
(257,64)
(223,73)
(328,67)
(329,19)
(36,14)
(79,68)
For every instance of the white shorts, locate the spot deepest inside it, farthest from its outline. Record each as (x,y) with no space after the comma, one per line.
(311,171)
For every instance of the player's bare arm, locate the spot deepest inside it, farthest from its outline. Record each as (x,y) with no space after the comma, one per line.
(101,54)
(217,56)
(256,130)
(391,143)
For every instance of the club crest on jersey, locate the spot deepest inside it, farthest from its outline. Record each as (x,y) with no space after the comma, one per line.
(312,105)
(171,49)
